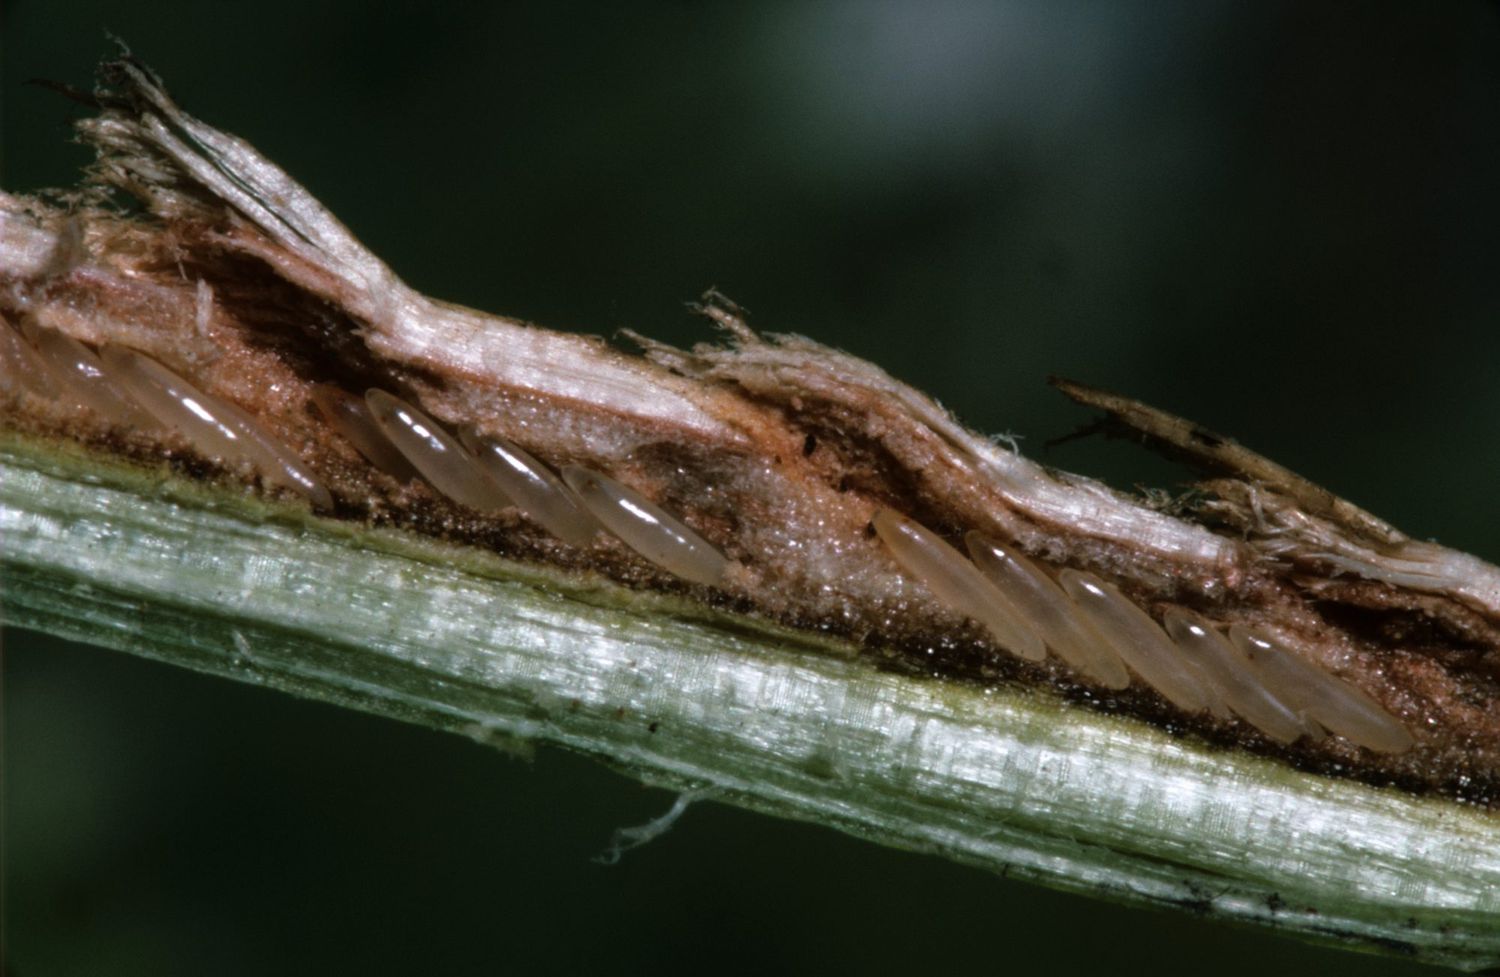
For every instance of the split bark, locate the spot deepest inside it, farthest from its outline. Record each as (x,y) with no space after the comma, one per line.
(818,683)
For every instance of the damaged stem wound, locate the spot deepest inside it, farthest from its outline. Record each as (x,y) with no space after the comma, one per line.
(770,477)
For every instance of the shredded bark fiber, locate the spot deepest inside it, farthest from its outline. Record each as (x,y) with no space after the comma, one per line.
(778,450)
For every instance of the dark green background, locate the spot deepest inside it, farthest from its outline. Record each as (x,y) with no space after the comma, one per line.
(1277,219)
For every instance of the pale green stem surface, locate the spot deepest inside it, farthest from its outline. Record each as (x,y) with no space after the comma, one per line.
(457,639)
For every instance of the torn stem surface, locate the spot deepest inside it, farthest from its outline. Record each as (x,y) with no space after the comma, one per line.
(807,674)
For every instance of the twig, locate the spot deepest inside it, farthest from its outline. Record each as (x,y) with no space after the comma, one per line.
(764,690)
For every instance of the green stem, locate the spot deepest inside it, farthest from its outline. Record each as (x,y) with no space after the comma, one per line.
(1010,780)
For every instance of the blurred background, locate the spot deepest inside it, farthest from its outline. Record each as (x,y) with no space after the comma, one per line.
(1278,219)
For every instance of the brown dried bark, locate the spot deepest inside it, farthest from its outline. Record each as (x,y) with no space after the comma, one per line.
(777,449)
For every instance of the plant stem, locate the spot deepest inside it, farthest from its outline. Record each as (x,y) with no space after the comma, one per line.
(1009,780)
